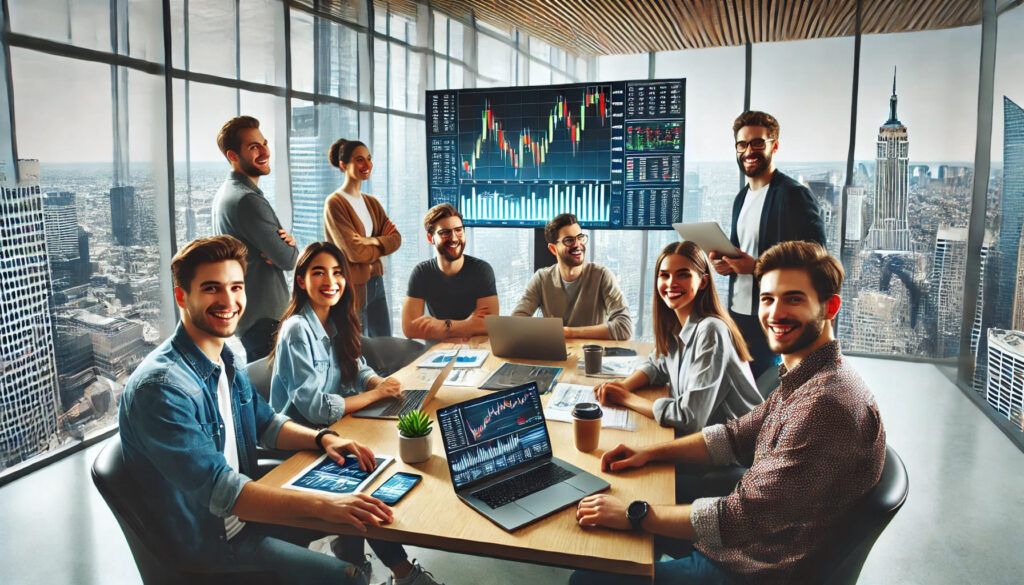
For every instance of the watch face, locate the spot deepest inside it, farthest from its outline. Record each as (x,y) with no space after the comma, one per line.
(637,509)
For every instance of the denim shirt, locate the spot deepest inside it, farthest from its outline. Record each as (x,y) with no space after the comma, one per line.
(708,382)
(173,441)
(307,385)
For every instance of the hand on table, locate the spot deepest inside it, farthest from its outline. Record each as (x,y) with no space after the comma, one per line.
(602,510)
(430,327)
(389,388)
(358,510)
(621,457)
(611,393)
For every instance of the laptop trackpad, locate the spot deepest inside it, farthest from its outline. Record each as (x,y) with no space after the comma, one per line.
(550,498)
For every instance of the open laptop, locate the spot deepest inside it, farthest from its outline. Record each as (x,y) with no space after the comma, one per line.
(499,456)
(534,338)
(411,399)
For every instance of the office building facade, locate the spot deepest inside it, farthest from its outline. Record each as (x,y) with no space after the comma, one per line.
(28,376)
(1005,388)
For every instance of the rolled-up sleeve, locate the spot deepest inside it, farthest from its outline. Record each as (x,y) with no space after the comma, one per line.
(704,518)
(690,406)
(185,447)
(297,376)
(364,375)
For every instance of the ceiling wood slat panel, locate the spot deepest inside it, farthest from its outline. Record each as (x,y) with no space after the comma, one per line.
(609,27)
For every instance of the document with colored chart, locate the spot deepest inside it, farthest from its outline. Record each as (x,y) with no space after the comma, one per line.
(566,396)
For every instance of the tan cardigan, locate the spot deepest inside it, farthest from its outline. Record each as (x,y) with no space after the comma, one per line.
(341,221)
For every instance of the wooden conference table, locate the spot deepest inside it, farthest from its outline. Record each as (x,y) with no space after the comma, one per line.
(432,516)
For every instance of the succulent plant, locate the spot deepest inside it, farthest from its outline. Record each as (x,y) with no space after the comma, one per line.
(414,424)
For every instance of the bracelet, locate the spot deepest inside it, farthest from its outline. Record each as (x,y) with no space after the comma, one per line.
(320,438)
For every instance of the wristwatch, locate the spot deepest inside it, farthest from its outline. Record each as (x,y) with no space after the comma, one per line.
(447,324)
(636,512)
(320,438)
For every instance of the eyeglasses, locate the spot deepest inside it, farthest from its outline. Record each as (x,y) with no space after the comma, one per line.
(755,144)
(445,234)
(569,240)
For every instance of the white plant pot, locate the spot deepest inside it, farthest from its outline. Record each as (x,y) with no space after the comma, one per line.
(416,449)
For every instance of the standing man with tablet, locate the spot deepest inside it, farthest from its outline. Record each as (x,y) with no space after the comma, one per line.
(771,208)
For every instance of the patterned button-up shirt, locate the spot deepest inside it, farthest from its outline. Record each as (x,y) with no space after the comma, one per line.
(814,448)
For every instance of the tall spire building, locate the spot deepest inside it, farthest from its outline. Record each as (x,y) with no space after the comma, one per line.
(889,231)
(29,404)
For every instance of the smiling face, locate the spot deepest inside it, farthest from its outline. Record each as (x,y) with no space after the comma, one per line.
(678,282)
(359,165)
(571,255)
(792,316)
(253,158)
(323,281)
(211,308)
(755,163)
(449,238)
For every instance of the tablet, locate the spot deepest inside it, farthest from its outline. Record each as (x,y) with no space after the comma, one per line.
(708,235)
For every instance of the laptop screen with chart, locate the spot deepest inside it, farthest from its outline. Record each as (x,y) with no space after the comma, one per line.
(491,435)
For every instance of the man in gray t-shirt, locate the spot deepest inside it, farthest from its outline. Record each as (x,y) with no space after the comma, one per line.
(585,295)
(241,210)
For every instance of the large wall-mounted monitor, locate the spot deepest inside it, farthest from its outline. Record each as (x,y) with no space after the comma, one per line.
(612,153)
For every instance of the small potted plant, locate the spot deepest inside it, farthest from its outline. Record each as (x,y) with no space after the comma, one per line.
(414,437)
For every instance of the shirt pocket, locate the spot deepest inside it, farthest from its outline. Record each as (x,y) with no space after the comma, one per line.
(213,431)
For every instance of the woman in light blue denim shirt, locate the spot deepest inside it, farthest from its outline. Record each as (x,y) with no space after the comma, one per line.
(319,375)
(699,351)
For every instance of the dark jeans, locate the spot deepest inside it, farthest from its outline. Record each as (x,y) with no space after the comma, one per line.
(258,339)
(692,569)
(757,343)
(282,550)
(375,317)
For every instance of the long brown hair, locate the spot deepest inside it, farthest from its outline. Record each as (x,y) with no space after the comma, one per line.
(705,304)
(343,314)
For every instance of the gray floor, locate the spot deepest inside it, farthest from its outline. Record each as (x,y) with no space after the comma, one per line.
(962,521)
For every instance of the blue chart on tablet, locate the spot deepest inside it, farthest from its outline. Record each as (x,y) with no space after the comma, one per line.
(611,153)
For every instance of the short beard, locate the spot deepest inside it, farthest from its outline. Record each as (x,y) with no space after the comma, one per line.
(760,168)
(250,169)
(449,255)
(570,261)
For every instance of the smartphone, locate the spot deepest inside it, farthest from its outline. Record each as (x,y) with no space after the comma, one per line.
(396,487)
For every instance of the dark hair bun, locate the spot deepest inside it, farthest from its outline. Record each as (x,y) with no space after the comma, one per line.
(334,154)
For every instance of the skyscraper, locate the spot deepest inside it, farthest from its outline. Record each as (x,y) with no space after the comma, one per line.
(1005,388)
(1012,213)
(61,221)
(889,230)
(123,217)
(28,375)
(948,267)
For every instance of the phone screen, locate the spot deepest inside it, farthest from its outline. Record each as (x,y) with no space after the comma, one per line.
(396,487)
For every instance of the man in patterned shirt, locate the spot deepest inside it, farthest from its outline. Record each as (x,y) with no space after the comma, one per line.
(814,448)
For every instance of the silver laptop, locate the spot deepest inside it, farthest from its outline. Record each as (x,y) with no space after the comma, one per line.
(411,399)
(532,338)
(499,456)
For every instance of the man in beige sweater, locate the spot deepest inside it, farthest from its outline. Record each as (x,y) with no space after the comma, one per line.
(585,295)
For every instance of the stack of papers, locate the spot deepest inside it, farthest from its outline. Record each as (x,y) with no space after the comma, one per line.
(566,396)
(615,367)
(468,358)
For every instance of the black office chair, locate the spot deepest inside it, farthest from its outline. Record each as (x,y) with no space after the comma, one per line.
(845,556)
(156,567)
(260,376)
(387,355)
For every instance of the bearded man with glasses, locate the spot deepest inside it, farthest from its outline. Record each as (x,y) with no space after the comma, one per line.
(771,208)
(584,295)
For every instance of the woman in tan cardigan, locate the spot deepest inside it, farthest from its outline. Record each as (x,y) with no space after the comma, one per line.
(356,223)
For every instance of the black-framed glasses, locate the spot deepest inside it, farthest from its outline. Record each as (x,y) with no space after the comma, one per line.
(755,144)
(445,234)
(570,240)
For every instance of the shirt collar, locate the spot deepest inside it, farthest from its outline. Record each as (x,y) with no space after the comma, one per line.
(689,330)
(245,180)
(816,361)
(195,358)
(316,326)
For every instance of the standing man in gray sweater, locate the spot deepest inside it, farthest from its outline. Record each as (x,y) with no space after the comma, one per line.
(583,294)
(241,210)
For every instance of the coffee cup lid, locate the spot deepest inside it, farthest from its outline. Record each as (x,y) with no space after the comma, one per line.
(593,347)
(587,411)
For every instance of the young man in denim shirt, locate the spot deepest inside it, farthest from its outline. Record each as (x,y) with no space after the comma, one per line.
(190,421)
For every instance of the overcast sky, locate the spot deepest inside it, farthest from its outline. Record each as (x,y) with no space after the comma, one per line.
(62,106)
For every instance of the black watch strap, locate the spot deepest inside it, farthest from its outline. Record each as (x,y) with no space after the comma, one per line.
(320,438)
(636,512)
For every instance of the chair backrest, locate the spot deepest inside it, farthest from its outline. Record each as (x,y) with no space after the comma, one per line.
(122,495)
(387,355)
(844,559)
(260,376)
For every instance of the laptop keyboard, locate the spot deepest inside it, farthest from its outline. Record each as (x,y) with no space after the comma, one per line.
(411,400)
(523,485)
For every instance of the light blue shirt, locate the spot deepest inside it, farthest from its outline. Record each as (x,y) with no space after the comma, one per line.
(708,382)
(307,385)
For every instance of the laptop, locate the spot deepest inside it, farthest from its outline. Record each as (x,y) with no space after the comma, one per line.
(499,456)
(411,399)
(533,338)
